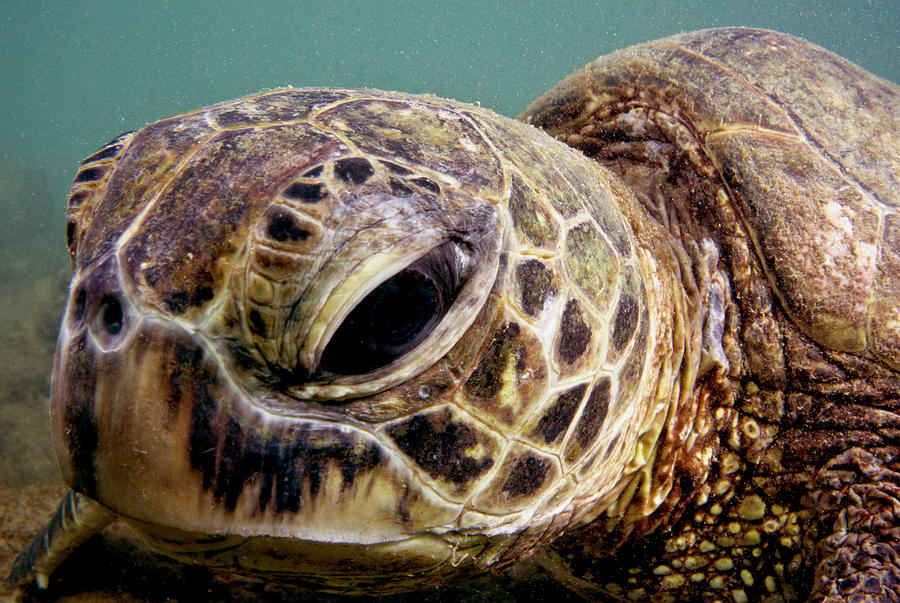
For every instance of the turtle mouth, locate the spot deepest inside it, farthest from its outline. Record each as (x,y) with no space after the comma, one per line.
(380,568)
(156,429)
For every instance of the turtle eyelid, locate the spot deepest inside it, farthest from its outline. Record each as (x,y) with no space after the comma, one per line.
(399,314)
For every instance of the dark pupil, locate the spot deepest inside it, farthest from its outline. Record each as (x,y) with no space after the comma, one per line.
(389,322)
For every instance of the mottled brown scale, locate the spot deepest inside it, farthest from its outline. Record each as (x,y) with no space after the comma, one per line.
(556,418)
(368,342)
(446,446)
(592,264)
(591,419)
(512,371)
(575,333)
(626,314)
(523,475)
(536,284)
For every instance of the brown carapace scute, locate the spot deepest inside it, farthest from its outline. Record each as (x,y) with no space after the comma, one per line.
(648,335)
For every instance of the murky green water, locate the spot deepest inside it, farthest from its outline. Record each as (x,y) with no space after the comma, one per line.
(73,75)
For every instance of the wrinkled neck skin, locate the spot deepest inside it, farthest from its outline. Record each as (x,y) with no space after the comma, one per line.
(686,298)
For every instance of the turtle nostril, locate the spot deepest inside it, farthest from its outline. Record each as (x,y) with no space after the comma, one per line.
(77,312)
(111,314)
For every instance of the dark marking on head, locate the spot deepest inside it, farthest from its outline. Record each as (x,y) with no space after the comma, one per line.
(232,460)
(245,359)
(594,413)
(194,384)
(257,325)
(233,117)
(575,334)
(353,170)
(557,418)
(78,304)
(81,438)
(180,364)
(527,476)
(283,227)
(625,321)
(536,286)
(428,184)
(103,153)
(439,445)
(399,188)
(314,172)
(306,192)
(288,463)
(486,380)
(396,169)
(179,300)
(90,174)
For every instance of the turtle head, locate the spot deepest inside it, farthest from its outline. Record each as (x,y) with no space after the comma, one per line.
(364,338)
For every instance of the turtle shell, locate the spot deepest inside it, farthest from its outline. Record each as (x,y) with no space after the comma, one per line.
(805,143)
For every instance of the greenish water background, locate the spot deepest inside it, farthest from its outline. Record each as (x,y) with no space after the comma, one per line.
(75,74)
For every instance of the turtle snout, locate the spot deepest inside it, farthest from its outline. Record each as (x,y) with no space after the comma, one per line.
(96,302)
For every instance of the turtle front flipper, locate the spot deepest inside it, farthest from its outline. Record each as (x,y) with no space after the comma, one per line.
(77,518)
(858,552)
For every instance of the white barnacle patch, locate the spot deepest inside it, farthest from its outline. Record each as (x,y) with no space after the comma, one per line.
(714,322)
(866,255)
(467,144)
(836,214)
(840,247)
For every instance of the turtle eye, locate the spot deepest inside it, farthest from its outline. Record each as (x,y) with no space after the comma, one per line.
(398,315)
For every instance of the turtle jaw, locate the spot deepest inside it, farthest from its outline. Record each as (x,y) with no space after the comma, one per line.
(383,568)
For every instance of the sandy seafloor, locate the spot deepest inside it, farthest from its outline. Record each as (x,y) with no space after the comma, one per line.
(73,75)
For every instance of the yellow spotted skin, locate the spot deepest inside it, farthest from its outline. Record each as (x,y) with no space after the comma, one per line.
(368,342)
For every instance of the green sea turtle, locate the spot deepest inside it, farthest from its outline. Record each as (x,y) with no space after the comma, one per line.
(373,341)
